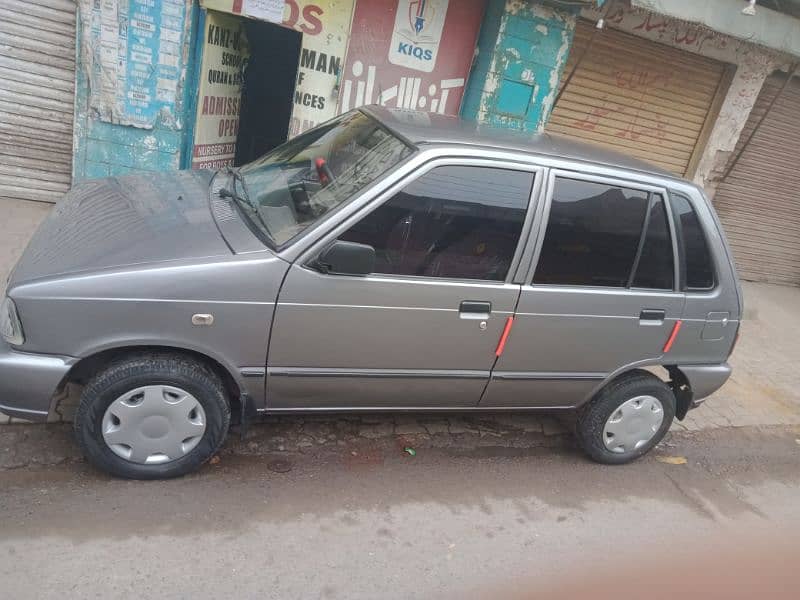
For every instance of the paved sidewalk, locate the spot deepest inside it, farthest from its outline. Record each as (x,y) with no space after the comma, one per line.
(765,386)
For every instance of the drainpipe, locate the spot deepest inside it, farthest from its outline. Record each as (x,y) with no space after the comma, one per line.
(597,28)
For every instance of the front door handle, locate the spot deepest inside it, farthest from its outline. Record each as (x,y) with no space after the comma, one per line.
(652,316)
(474,309)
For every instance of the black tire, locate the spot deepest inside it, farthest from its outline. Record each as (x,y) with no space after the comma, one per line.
(139,370)
(592,417)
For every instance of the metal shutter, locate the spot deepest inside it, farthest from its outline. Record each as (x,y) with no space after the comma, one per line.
(636,96)
(37,68)
(759,201)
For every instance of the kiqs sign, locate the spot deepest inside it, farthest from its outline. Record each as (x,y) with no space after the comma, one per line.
(413,54)
(417,33)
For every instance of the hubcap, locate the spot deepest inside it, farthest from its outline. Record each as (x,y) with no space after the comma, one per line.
(633,424)
(154,424)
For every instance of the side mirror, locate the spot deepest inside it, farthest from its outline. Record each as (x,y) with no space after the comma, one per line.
(347,258)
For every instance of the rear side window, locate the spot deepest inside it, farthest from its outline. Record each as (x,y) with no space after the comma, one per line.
(593,234)
(697,268)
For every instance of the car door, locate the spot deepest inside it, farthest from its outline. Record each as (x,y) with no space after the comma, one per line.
(421,330)
(601,294)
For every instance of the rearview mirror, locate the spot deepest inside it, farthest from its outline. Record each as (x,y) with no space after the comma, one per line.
(347,258)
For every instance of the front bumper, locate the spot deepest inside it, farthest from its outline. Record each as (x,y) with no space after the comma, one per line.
(28,382)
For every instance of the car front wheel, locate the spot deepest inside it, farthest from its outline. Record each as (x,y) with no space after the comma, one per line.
(152,416)
(626,419)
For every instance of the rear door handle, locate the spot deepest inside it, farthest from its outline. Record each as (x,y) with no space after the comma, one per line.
(652,316)
(474,309)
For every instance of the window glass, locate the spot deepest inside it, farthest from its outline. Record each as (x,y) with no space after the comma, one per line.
(655,267)
(592,235)
(296,184)
(454,222)
(699,272)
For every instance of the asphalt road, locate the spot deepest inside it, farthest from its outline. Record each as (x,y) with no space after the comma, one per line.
(371,521)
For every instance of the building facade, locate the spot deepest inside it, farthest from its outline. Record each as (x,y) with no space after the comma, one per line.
(111,87)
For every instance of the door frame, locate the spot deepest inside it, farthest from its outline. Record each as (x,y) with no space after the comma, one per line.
(371,202)
(338,219)
(539,228)
(360,207)
(585,384)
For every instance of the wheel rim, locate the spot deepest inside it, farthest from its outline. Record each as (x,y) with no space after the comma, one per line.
(633,424)
(154,424)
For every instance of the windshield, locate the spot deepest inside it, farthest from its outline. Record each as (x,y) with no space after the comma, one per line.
(293,186)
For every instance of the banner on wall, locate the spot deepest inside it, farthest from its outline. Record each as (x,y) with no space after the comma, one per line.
(413,54)
(220,91)
(325,26)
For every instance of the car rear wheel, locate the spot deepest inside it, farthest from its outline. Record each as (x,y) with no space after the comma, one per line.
(152,416)
(626,419)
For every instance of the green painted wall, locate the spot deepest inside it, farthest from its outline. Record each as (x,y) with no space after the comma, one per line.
(517,86)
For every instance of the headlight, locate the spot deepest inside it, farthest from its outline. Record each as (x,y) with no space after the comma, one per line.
(10,325)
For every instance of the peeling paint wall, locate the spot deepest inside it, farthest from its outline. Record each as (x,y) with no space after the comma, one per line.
(518,86)
(753,64)
(106,141)
(733,114)
(484,54)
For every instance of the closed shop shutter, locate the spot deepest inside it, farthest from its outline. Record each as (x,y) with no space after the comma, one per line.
(37,68)
(637,97)
(759,201)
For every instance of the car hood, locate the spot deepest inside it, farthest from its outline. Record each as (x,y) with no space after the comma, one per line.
(123,221)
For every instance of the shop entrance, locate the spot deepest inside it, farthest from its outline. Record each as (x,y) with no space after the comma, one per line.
(268,88)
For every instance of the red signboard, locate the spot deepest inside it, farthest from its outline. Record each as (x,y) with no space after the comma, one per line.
(413,54)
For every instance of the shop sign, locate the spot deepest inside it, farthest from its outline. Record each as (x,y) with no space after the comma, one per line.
(267,10)
(417,34)
(413,54)
(220,91)
(132,52)
(325,31)
(325,25)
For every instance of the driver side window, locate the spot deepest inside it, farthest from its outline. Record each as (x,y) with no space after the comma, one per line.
(455,222)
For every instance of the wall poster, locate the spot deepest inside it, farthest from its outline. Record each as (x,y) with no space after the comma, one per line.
(136,69)
(220,91)
(325,25)
(413,54)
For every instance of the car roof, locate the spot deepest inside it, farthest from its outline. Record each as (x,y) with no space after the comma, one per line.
(420,127)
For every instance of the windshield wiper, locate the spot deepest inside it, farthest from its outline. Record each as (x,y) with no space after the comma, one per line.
(234,172)
(226,193)
(243,204)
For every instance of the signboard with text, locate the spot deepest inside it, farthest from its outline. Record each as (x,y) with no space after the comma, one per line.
(325,26)
(413,54)
(219,97)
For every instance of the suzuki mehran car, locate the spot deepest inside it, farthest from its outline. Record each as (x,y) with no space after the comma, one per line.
(383,261)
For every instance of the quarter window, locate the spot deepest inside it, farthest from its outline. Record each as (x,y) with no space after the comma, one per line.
(699,273)
(593,234)
(453,222)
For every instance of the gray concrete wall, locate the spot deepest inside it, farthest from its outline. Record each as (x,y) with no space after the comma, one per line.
(20,218)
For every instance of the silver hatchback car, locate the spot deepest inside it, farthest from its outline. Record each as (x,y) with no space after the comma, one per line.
(384,261)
